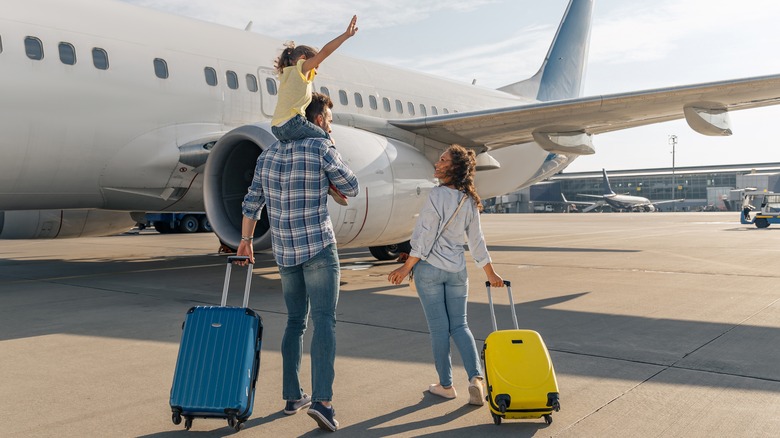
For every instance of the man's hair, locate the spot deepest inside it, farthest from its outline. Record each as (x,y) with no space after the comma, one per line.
(317,106)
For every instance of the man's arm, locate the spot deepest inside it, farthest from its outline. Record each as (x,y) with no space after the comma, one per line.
(339,174)
(245,247)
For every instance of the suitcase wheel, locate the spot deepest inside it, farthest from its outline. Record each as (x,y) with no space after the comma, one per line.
(234,423)
(176,418)
(496,419)
(187,423)
(548,418)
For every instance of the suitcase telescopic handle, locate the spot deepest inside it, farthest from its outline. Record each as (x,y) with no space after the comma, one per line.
(249,266)
(508,285)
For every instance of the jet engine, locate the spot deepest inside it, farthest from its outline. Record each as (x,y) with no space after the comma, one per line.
(55,224)
(394,178)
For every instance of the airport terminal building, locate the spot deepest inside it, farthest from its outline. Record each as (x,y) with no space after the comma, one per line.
(701,187)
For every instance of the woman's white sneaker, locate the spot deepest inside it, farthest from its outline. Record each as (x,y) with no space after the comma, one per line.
(476,392)
(441,391)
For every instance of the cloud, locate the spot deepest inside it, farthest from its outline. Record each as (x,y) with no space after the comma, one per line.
(295,17)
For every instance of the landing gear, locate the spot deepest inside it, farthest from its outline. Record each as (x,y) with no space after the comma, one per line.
(189,224)
(390,252)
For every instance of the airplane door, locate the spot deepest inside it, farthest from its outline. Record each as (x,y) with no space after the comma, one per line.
(269,90)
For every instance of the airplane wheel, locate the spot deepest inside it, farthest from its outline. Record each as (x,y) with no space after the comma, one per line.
(162,227)
(189,224)
(390,252)
(205,225)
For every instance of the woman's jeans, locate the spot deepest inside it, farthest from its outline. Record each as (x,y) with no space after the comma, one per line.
(313,283)
(444,296)
(298,128)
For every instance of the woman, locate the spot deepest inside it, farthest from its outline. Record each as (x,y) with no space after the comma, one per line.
(438,261)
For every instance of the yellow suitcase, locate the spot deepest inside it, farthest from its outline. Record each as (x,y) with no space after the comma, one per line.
(519,373)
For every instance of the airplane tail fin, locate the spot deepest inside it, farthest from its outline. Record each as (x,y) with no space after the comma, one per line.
(605,185)
(563,70)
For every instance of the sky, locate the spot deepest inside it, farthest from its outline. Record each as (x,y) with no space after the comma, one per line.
(635,45)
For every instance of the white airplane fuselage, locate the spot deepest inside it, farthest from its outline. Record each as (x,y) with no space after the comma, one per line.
(124,139)
(162,113)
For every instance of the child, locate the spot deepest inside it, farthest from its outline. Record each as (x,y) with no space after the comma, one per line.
(297,67)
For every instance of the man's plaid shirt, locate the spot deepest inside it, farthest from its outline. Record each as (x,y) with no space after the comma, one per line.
(291,179)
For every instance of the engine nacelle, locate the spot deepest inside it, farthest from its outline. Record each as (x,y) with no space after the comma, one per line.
(394,178)
(57,224)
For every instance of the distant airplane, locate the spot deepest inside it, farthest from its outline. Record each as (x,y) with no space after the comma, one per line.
(110,111)
(620,202)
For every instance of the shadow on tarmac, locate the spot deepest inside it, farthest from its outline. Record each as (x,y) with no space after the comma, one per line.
(84,297)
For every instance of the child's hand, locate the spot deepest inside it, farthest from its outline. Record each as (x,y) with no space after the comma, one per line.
(352,28)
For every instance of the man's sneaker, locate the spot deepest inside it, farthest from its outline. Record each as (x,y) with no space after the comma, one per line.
(476,392)
(293,406)
(324,416)
(441,391)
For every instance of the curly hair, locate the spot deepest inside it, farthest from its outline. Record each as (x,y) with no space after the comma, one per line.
(290,55)
(461,172)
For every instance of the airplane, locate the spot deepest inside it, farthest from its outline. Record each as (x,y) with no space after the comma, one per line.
(111,110)
(619,201)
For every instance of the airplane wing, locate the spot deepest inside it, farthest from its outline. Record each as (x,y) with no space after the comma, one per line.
(705,106)
(667,201)
(593,206)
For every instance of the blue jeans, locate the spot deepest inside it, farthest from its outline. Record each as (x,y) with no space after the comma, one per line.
(313,283)
(444,296)
(298,128)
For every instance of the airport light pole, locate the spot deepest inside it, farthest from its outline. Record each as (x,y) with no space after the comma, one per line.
(673,142)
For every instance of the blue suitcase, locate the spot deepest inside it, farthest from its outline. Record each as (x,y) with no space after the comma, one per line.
(219,358)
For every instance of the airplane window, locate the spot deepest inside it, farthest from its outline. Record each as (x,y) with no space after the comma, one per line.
(372,102)
(1,44)
(343,97)
(270,85)
(67,53)
(232,79)
(446,111)
(358,100)
(399,106)
(325,91)
(160,68)
(34,48)
(100,58)
(410,106)
(211,76)
(251,83)
(423,111)
(386,104)
(435,111)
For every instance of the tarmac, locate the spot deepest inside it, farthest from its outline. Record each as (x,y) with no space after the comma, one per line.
(658,324)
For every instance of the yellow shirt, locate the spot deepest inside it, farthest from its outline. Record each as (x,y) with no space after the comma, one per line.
(294,93)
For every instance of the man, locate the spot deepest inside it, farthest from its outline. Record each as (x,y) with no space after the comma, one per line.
(291,180)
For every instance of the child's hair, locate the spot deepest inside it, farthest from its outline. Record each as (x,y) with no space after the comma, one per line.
(290,55)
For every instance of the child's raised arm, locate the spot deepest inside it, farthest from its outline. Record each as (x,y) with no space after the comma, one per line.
(329,48)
